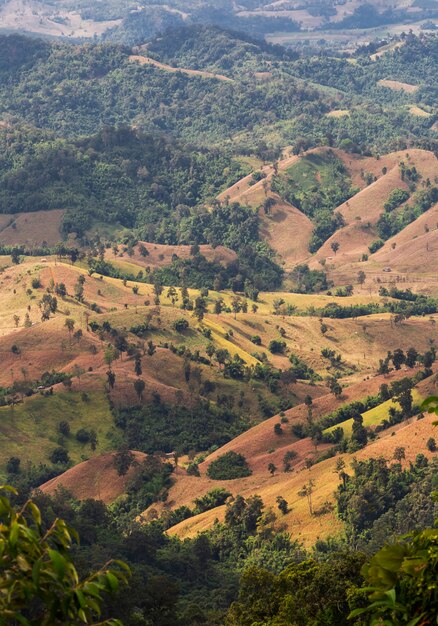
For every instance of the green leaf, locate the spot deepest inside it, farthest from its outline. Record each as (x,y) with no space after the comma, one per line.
(58,562)
(112,581)
(13,534)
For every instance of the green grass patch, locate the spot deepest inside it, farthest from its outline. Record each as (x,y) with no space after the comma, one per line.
(375,416)
(309,170)
(30,430)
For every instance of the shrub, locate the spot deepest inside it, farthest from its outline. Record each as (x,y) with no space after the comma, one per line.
(277,347)
(60,455)
(13,465)
(375,245)
(256,340)
(228,467)
(431,444)
(193,469)
(180,325)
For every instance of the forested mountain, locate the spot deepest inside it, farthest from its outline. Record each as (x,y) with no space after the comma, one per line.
(75,90)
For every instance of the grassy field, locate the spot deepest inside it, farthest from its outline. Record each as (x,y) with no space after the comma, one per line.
(375,416)
(30,430)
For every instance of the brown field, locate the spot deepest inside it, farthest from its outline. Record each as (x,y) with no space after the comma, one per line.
(161,255)
(31,229)
(338,113)
(287,230)
(299,522)
(397,85)
(363,210)
(419,112)
(96,478)
(142,60)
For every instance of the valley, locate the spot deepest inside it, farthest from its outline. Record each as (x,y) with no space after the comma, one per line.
(218,311)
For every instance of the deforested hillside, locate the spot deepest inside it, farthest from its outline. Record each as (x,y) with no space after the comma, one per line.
(218,312)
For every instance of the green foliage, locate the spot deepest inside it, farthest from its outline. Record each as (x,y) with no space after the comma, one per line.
(395,199)
(402,579)
(310,592)
(389,224)
(317,184)
(38,578)
(118,176)
(153,427)
(229,466)
(309,281)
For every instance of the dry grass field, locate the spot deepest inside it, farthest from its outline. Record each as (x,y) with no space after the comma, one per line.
(142,60)
(398,86)
(306,527)
(31,229)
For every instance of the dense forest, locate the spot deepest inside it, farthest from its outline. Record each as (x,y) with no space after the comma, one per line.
(75,90)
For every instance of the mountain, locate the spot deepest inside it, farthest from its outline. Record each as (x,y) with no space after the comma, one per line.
(218,312)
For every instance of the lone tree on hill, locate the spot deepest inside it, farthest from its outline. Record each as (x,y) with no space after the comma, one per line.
(272,468)
(139,386)
(335,246)
(307,491)
(399,454)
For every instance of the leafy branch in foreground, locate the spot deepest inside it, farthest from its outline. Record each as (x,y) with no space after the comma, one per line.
(431,406)
(403,577)
(39,584)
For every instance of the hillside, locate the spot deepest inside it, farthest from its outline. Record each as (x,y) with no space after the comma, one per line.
(298,521)
(96,478)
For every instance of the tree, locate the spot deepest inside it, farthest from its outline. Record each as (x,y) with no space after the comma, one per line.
(398,358)
(79,289)
(276,346)
(69,325)
(334,246)
(359,433)
(64,428)
(139,386)
(59,455)
(307,491)
(411,357)
(111,379)
(38,578)
(277,429)
(308,402)
(236,305)
(272,468)
(123,460)
(137,365)
(361,277)
(282,505)
(110,355)
(180,325)
(16,320)
(15,256)
(402,393)
(339,469)
(13,465)
(431,444)
(200,308)
(151,349)
(399,454)
(218,306)
(172,295)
